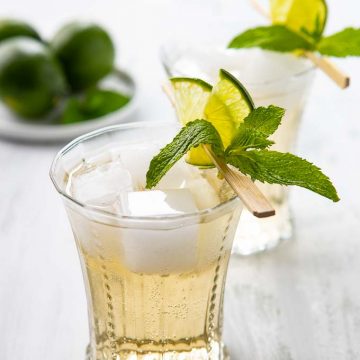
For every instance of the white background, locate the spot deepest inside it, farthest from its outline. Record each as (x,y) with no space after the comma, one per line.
(300,302)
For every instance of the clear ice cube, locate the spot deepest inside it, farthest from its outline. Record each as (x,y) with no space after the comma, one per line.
(136,159)
(148,249)
(101,184)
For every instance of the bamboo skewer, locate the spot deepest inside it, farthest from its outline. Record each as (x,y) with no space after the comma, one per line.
(330,69)
(323,63)
(247,191)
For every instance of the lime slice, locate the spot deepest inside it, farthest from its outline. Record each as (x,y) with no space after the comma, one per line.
(307,17)
(228,105)
(191,96)
(225,106)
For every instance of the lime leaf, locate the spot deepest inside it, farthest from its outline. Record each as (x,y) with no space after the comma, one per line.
(72,112)
(285,169)
(341,44)
(190,136)
(99,102)
(93,104)
(275,37)
(307,17)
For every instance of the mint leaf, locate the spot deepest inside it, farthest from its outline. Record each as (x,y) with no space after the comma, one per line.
(253,133)
(192,135)
(248,138)
(265,119)
(275,37)
(285,169)
(341,44)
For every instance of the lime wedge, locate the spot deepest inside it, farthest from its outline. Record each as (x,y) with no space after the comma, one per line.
(191,96)
(225,106)
(228,105)
(307,17)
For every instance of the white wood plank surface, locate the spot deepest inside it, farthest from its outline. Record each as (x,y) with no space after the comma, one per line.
(299,302)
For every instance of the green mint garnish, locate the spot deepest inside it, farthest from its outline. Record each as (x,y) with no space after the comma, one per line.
(341,44)
(248,152)
(288,37)
(285,169)
(192,135)
(275,37)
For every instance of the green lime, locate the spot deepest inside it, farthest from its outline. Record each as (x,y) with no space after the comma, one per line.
(86,53)
(31,80)
(225,105)
(307,17)
(191,96)
(10,28)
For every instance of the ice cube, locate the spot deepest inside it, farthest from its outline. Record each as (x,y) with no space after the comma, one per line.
(157,202)
(136,159)
(178,176)
(154,250)
(100,185)
(204,194)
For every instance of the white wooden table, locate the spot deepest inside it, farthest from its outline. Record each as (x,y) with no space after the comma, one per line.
(301,302)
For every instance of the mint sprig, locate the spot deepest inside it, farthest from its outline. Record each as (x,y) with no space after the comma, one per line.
(264,119)
(282,39)
(275,37)
(192,135)
(248,152)
(285,169)
(253,133)
(342,44)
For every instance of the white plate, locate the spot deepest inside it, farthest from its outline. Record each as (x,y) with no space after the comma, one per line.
(15,128)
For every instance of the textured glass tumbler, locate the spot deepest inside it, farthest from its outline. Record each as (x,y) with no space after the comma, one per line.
(154,285)
(271,79)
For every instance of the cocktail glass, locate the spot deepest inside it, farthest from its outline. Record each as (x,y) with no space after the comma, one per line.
(154,283)
(271,78)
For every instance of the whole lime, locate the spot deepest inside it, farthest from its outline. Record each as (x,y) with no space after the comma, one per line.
(10,28)
(31,80)
(86,53)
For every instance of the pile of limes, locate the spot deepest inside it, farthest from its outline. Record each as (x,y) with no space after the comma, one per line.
(36,76)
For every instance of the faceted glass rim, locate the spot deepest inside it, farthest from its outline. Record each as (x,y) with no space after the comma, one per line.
(219,209)
(164,51)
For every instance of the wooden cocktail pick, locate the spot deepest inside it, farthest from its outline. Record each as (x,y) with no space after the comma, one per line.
(327,66)
(253,199)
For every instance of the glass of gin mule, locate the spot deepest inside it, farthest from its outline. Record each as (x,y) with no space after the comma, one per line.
(271,78)
(154,262)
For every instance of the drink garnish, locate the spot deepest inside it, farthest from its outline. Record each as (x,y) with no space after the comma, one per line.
(298,26)
(237,137)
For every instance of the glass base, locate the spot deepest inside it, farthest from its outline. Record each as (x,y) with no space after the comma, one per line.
(218,352)
(257,235)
